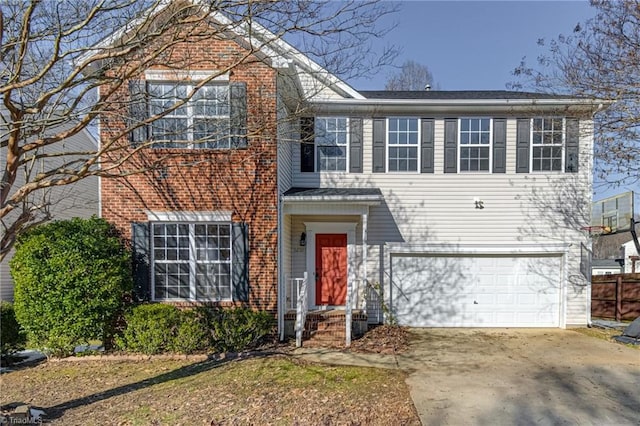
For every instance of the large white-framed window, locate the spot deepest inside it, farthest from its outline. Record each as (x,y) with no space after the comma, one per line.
(403,139)
(474,144)
(201,122)
(191,261)
(332,143)
(547,144)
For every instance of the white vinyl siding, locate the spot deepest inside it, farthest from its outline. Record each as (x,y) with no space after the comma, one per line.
(79,199)
(439,208)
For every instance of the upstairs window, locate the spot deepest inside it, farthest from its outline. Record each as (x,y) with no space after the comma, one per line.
(547,141)
(474,144)
(160,115)
(331,141)
(403,139)
(201,122)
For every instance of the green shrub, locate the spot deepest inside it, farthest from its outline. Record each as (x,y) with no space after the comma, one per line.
(238,329)
(70,279)
(150,329)
(192,334)
(157,328)
(12,337)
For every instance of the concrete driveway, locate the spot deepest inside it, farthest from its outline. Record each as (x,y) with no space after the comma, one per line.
(521,377)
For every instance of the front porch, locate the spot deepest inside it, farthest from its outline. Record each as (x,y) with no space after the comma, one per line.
(327,294)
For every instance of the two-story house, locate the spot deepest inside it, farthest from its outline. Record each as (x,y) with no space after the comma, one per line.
(447,208)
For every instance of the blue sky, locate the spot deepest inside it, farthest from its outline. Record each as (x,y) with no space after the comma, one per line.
(475,45)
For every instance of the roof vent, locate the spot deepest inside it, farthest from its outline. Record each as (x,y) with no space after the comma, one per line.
(427,87)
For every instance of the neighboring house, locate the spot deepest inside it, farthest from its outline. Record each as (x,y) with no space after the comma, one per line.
(631,257)
(63,202)
(606,267)
(460,208)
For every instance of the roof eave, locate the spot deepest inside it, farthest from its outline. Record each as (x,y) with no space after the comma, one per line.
(445,106)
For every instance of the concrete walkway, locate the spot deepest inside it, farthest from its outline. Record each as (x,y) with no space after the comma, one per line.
(511,376)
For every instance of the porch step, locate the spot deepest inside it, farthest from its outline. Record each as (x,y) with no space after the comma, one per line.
(327,328)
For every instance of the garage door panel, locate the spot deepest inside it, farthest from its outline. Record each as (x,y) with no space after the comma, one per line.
(486,291)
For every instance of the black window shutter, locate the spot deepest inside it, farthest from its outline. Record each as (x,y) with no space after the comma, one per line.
(499,145)
(427,146)
(240,261)
(379,148)
(138,112)
(141,247)
(451,145)
(523,140)
(307,146)
(238,114)
(355,145)
(572,149)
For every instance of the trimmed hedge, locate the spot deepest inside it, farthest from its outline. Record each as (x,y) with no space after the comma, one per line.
(160,328)
(70,278)
(234,330)
(12,337)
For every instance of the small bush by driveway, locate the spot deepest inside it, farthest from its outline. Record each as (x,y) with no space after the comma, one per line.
(521,376)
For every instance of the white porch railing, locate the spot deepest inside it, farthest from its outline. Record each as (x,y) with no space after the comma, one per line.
(373,304)
(298,298)
(293,284)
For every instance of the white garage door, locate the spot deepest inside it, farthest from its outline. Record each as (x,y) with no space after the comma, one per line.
(476,291)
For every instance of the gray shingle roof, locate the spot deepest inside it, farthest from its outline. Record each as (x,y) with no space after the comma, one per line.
(458,94)
(333,192)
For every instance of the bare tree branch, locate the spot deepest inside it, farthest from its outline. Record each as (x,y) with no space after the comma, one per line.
(65,64)
(600,60)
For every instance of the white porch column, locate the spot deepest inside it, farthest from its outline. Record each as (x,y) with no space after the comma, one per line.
(365,281)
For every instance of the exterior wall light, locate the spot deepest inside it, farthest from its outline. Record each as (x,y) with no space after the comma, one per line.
(303,239)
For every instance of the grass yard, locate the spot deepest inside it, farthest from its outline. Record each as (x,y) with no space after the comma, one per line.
(259,391)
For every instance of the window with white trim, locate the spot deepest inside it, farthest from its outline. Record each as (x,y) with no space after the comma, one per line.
(201,122)
(331,141)
(547,144)
(403,136)
(191,261)
(474,145)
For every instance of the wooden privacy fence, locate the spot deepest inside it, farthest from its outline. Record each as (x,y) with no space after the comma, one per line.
(615,296)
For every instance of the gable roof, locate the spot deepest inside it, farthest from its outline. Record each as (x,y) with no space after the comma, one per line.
(283,53)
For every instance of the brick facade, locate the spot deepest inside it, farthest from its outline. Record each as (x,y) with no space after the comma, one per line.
(241,180)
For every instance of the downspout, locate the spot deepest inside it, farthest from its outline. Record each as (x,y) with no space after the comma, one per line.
(590,177)
(280,292)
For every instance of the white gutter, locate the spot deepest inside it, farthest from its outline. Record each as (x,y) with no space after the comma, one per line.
(453,106)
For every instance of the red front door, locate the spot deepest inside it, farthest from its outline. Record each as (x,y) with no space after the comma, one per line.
(331,269)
